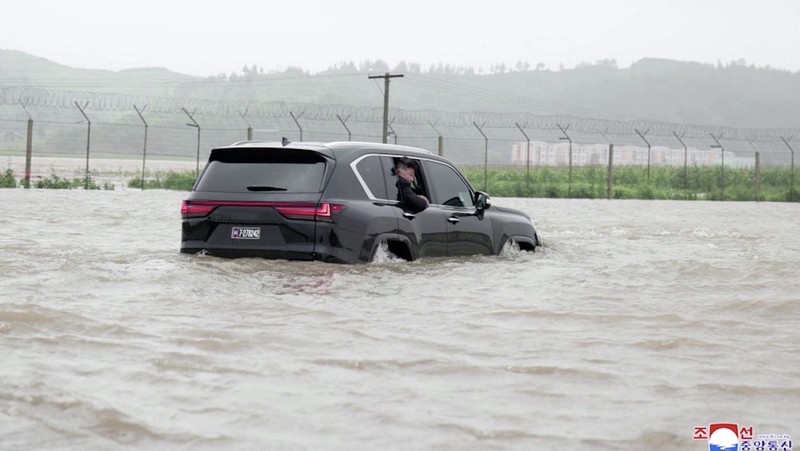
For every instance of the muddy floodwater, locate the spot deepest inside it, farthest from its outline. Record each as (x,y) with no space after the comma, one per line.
(637,322)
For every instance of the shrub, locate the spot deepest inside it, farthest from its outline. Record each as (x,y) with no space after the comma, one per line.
(7,179)
(179,181)
(56,182)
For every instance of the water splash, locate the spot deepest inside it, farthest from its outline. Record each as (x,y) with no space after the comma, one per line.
(384,255)
(511,250)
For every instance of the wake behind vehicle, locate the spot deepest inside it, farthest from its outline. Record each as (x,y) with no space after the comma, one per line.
(337,202)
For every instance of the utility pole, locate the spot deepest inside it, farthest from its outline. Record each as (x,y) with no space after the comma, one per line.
(386,78)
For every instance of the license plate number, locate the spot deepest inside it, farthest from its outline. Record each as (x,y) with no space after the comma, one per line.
(246,233)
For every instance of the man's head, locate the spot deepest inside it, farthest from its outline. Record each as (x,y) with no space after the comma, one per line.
(405,168)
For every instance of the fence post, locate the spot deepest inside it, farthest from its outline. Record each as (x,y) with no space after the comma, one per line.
(567,137)
(758,177)
(298,123)
(439,141)
(527,157)
(249,126)
(197,126)
(485,154)
(610,177)
(685,163)
(144,149)
(88,141)
(641,135)
(391,131)
(26,182)
(610,173)
(791,177)
(722,166)
(28,153)
(349,135)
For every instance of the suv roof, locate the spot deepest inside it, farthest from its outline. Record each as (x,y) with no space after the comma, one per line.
(333,146)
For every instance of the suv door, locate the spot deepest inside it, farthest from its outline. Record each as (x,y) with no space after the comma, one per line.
(427,230)
(468,233)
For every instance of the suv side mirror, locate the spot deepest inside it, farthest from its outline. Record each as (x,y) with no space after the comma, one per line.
(482,201)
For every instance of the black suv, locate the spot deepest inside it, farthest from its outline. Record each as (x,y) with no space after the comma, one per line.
(337,202)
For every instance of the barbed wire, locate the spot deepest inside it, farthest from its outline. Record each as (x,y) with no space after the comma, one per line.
(116,102)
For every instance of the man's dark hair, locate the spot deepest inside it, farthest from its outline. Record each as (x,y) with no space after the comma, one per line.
(406,162)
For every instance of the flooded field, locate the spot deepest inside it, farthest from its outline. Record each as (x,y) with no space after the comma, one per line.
(637,321)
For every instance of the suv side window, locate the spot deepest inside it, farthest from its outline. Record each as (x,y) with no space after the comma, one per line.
(447,186)
(371,172)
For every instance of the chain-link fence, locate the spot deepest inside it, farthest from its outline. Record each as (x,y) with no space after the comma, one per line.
(146,134)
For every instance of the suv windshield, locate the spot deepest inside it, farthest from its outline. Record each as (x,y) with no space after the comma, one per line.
(263,170)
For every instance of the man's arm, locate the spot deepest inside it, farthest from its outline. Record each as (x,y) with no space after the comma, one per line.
(414,202)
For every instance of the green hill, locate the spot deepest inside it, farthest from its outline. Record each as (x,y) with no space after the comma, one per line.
(734,94)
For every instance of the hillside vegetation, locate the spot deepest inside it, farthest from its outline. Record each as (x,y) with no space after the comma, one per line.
(733,94)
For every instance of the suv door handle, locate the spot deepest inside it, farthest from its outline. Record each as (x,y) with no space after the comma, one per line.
(453,220)
(409,215)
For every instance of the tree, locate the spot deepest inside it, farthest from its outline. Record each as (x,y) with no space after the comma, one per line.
(611,63)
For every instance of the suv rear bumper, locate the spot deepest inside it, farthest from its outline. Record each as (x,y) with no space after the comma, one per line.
(305,252)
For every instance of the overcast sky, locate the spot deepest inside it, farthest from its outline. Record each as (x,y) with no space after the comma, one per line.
(201,37)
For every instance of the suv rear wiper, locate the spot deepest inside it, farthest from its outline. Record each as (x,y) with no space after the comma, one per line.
(265,188)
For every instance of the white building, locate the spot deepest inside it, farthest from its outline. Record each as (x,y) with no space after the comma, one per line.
(557,154)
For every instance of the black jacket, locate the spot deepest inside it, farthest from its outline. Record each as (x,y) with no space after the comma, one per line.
(409,197)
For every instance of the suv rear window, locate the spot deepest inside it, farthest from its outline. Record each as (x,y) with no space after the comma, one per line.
(263,170)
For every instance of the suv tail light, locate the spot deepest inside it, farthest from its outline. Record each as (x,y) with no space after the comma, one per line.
(192,209)
(323,211)
(294,210)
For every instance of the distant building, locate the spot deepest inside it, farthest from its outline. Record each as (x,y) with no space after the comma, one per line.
(557,154)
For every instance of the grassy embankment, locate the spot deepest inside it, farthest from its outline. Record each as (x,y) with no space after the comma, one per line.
(553,182)
(632,183)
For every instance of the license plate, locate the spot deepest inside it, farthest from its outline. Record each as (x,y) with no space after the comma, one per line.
(246,233)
